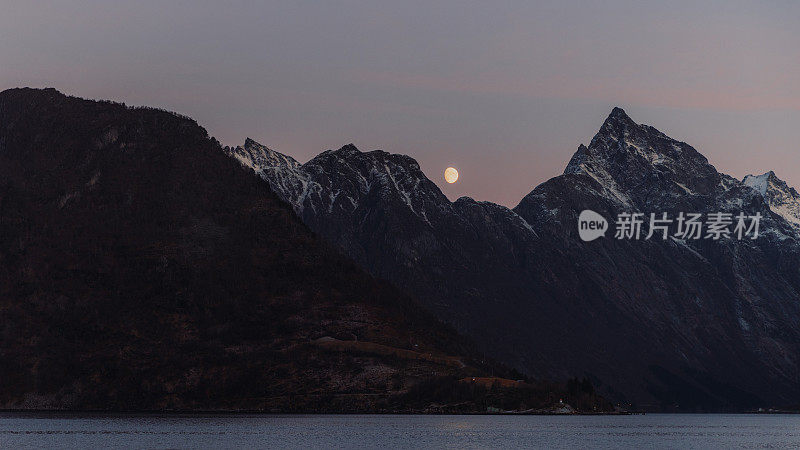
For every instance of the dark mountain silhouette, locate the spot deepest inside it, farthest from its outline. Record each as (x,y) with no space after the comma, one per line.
(141,268)
(690,325)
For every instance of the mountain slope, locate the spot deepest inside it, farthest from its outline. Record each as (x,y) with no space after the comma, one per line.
(711,315)
(383,212)
(688,325)
(141,269)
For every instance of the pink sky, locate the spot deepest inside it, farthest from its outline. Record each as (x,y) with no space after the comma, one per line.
(504,91)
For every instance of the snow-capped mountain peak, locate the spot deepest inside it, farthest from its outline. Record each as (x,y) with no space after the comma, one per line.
(283,172)
(780,197)
(345,179)
(516,277)
(255,155)
(637,165)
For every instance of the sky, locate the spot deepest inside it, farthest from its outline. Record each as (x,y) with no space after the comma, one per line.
(504,91)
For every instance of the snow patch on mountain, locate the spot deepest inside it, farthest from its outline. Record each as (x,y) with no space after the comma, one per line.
(343,179)
(782,199)
(283,172)
(639,166)
(758,182)
(583,162)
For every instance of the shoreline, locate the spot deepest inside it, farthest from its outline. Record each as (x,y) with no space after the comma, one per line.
(214,413)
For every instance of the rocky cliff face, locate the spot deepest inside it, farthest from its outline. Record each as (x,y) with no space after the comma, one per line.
(666,324)
(142,269)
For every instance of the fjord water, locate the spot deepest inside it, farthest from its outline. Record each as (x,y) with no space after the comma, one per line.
(399,431)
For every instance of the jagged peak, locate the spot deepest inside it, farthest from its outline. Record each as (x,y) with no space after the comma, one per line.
(579,157)
(618,118)
(621,133)
(618,114)
(372,157)
(349,149)
(763,182)
(260,157)
(252,144)
(781,198)
(624,155)
(765,174)
(248,142)
(619,123)
(345,151)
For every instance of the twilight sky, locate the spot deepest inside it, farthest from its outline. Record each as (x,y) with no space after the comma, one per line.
(504,91)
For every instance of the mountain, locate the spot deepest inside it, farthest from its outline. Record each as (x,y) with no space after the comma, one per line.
(143,269)
(689,325)
(715,322)
(782,199)
(383,212)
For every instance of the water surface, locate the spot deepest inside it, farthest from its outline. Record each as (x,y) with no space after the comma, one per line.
(399,431)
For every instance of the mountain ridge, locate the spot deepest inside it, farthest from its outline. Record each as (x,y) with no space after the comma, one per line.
(141,269)
(781,198)
(483,267)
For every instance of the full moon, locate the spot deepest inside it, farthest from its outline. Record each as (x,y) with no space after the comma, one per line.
(450,175)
